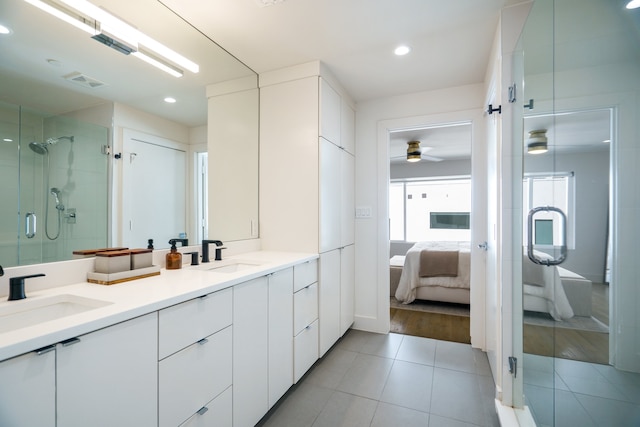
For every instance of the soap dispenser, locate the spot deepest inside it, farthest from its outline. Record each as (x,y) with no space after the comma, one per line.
(173,258)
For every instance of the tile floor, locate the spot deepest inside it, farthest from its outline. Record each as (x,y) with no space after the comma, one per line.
(391,380)
(586,394)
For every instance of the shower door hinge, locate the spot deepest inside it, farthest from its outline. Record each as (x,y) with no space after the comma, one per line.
(512,93)
(106,150)
(513,366)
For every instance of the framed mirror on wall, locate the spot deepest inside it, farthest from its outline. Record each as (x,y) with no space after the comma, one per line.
(71,95)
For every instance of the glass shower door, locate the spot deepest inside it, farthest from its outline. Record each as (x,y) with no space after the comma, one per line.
(578,65)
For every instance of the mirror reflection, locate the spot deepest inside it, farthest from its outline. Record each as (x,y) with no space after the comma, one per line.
(71,108)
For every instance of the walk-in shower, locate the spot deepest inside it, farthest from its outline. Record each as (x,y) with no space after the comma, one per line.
(42,149)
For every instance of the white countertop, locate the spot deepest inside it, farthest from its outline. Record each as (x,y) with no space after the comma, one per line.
(137,297)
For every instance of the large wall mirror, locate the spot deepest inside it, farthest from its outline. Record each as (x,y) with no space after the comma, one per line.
(63,96)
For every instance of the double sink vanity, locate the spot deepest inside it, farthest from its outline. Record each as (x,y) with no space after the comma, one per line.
(213,344)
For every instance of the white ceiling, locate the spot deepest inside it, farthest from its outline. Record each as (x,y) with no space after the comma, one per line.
(450,40)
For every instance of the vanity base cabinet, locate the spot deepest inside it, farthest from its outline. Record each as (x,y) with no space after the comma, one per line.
(193,376)
(195,360)
(110,377)
(27,378)
(280,334)
(250,352)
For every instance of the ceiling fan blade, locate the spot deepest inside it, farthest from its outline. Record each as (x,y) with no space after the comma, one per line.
(431,158)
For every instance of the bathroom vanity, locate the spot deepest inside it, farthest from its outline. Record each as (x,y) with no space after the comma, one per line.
(210,342)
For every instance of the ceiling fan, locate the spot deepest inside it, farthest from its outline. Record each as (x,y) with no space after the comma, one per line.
(415,153)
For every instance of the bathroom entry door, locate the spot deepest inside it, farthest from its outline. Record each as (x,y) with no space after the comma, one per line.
(154,195)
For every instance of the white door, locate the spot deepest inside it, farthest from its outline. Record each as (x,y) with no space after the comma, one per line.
(154,190)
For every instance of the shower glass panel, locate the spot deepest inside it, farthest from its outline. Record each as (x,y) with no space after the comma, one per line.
(576,67)
(55,186)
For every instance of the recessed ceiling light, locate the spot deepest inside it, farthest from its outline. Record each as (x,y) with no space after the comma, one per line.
(5,30)
(633,4)
(402,50)
(170,100)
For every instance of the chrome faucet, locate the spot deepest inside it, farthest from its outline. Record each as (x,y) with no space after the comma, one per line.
(16,287)
(205,250)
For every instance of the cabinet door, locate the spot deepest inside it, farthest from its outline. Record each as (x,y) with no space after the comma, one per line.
(329,113)
(280,334)
(347,288)
(330,196)
(348,197)
(348,128)
(250,365)
(329,300)
(28,390)
(110,377)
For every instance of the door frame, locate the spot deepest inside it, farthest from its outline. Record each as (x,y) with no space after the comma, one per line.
(478,227)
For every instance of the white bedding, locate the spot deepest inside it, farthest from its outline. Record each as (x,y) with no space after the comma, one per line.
(544,282)
(410,279)
(540,282)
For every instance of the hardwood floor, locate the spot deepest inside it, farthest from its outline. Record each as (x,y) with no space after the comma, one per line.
(439,326)
(574,344)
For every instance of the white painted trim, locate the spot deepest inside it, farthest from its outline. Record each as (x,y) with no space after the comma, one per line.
(511,417)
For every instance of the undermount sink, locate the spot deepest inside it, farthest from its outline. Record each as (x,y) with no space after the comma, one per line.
(230,266)
(29,312)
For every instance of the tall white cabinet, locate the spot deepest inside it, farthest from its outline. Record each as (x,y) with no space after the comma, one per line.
(307,181)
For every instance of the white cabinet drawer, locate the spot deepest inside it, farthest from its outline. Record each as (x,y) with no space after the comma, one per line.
(217,413)
(305,307)
(305,274)
(183,324)
(305,348)
(192,377)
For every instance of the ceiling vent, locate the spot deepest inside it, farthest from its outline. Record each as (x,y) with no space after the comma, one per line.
(84,80)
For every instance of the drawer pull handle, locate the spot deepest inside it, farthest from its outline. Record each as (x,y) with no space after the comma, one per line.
(69,342)
(45,350)
(202,410)
(308,327)
(203,341)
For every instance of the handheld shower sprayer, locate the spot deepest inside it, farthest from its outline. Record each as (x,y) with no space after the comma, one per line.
(56,194)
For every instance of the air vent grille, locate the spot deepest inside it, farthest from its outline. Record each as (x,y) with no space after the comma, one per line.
(84,80)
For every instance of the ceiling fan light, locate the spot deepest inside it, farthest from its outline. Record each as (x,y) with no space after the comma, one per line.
(537,142)
(414,154)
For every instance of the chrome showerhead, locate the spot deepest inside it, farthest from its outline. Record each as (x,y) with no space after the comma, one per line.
(38,147)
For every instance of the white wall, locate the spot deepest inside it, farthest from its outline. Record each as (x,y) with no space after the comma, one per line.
(373,118)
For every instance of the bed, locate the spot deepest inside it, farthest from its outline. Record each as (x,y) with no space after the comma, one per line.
(543,287)
(446,288)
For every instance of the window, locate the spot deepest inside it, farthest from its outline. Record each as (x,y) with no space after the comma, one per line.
(549,189)
(433,209)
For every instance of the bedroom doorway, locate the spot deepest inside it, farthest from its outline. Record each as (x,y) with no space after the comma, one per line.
(429,201)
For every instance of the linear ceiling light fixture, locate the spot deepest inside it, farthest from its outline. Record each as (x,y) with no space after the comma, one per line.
(117,34)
